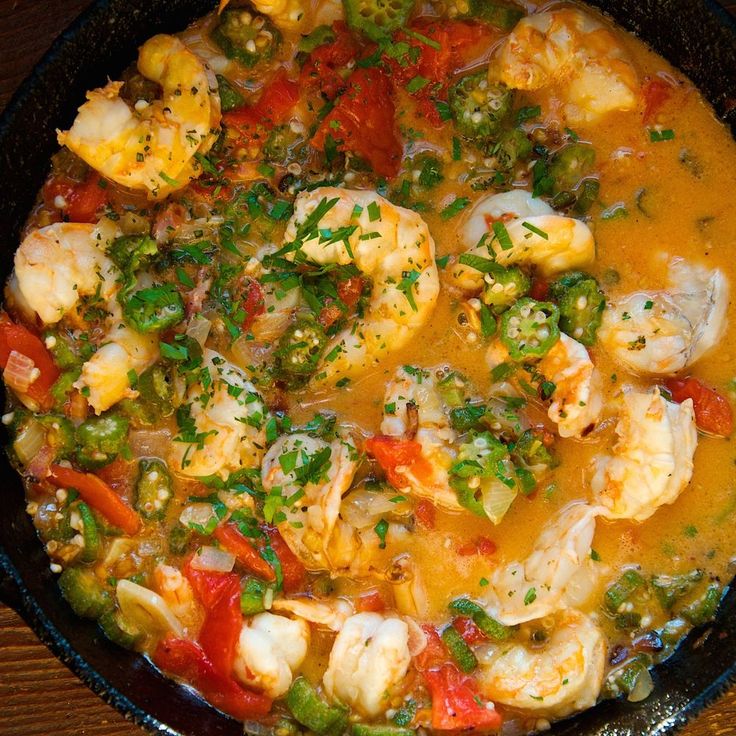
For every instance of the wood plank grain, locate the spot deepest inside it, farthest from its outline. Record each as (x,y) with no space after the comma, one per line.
(38,695)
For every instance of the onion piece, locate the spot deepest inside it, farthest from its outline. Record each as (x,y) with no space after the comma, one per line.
(20,372)
(497,498)
(213,560)
(150,442)
(642,688)
(29,441)
(362,509)
(146,610)
(199,328)
(200,514)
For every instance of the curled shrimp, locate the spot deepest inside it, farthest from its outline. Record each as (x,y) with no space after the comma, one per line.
(390,245)
(333,613)
(320,472)
(418,413)
(538,237)
(269,650)
(368,662)
(577,56)
(58,265)
(562,676)
(661,332)
(151,147)
(652,462)
(577,399)
(290,14)
(555,572)
(229,419)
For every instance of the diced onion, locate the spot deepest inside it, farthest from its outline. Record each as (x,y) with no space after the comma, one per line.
(29,441)
(197,513)
(146,610)
(20,372)
(199,328)
(497,498)
(213,559)
(150,442)
(643,687)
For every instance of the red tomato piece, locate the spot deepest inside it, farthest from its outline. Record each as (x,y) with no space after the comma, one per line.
(363,122)
(713,413)
(229,536)
(185,659)
(486,546)
(656,92)
(468,549)
(371,600)
(252,301)
(350,290)
(99,496)
(291,567)
(468,630)
(539,289)
(326,68)
(392,453)
(275,103)
(434,654)
(209,586)
(426,514)
(22,340)
(329,314)
(83,199)
(456,704)
(220,631)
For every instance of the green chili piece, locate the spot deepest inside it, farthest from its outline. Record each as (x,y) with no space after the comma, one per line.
(452,389)
(488,625)
(100,439)
(311,711)
(531,453)
(581,304)
(84,593)
(529,329)
(503,286)
(363,729)
(704,609)
(627,621)
(246,36)
(586,195)
(670,588)
(467,417)
(622,590)
(625,678)
(90,534)
(300,348)
(153,309)
(251,599)
(377,18)
(153,489)
(230,98)
(479,108)
(154,388)
(458,648)
(132,252)
(119,630)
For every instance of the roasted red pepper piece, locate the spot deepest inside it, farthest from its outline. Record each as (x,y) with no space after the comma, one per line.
(292,569)
(185,659)
(274,105)
(326,68)
(247,555)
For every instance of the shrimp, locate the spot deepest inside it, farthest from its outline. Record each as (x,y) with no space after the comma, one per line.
(577,399)
(390,245)
(662,332)
(269,650)
(151,147)
(290,14)
(57,266)
(333,614)
(652,461)
(368,662)
(564,243)
(176,590)
(229,422)
(555,571)
(418,414)
(321,473)
(562,677)
(575,54)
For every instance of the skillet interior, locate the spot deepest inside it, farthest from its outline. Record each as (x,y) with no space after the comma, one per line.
(696,35)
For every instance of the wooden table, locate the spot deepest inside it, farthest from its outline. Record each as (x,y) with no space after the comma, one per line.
(38,695)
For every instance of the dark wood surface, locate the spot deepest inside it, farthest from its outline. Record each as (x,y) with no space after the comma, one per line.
(38,695)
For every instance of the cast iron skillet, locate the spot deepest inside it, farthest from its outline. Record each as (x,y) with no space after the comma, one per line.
(695,35)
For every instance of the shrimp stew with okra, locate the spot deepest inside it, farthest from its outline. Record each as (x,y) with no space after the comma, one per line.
(370,365)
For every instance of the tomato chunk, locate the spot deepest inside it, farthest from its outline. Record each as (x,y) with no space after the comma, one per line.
(291,567)
(252,301)
(17,337)
(426,514)
(434,654)
(371,600)
(275,103)
(83,199)
(656,92)
(247,555)
(363,122)
(468,630)
(185,659)
(393,453)
(713,413)
(456,704)
(327,67)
